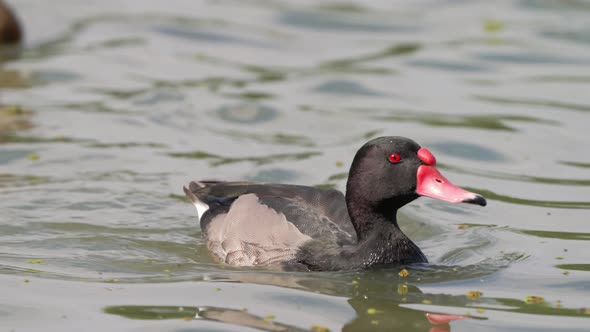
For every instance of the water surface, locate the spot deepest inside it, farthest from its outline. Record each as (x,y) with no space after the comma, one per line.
(109,109)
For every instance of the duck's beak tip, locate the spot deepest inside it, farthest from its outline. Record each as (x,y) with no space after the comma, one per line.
(477,199)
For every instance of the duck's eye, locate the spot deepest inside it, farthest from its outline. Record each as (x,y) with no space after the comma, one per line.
(394,158)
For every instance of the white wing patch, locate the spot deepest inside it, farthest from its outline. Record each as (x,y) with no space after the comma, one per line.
(201,208)
(199,205)
(251,233)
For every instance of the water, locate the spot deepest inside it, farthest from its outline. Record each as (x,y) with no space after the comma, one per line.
(109,109)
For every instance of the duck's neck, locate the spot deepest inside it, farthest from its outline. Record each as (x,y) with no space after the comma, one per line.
(380,240)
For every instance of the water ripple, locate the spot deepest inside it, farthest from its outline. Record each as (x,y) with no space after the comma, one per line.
(217,160)
(487,122)
(534,102)
(531,202)
(517,177)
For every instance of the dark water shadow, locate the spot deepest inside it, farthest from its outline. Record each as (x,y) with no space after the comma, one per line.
(533,59)
(279,138)
(388,52)
(579,36)
(450,66)
(535,102)
(559,78)
(531,202)
(570,5)
(499,122)
(217,160)
(575,164)
(275,175)
(15,181)
(178,26)
(516,177)
(556,235)
(346,88)
(349,65)
(200,35)
(469,151)
(339,21)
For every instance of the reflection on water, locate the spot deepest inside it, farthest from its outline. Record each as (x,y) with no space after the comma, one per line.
(13,118)
(108,110)
(224,315)
(380,305)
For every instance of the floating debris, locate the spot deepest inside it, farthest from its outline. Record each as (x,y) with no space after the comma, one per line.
(269,317)
(35,261)
(402,289)
(480,310)
(493,26)
(404,273)
(14,110)
(371,311)
(474,294)
(533,299)
(319,328)
(33,156)
(565,272)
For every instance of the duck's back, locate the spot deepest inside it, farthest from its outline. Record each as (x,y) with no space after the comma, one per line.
(260,224)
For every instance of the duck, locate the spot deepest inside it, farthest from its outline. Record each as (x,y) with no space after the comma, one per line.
(313,229)
(10,30)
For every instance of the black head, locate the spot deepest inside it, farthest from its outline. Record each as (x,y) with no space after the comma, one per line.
(389,172)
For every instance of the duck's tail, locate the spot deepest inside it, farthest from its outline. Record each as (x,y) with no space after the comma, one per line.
(191,190)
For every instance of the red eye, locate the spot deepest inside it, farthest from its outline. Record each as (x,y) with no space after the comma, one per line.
(395,158)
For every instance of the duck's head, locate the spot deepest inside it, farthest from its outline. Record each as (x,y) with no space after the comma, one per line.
(389,172)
